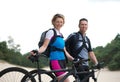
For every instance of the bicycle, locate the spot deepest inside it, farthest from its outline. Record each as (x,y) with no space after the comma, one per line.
(15,74)
(39,73)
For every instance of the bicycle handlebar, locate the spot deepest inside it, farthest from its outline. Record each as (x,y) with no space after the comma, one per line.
(35,57)
(98,66)
(79,60)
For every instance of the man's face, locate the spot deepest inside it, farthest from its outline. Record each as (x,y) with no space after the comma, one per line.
(83,26)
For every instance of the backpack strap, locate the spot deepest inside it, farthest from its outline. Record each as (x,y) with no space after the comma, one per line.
(83,46)
(53,48)
(54,36)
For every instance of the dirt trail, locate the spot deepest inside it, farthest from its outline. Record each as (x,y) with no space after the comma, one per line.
(104,76)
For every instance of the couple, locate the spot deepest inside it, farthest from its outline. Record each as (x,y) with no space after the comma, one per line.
(74,41)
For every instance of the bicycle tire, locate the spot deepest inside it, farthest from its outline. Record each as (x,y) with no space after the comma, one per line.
(14,74)
(45,77)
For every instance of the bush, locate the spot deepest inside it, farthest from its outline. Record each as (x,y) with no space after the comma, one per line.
(115,63)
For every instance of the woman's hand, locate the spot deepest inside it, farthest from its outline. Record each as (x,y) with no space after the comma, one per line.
(34,52)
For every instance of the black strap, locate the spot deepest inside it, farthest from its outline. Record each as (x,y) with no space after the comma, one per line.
(84,45)
(54,36)
(53,48)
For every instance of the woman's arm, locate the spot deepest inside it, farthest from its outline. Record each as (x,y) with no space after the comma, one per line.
(68,55)
(44,46)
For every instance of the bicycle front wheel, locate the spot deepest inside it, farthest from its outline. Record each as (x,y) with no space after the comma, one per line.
(45,77)
(15,74)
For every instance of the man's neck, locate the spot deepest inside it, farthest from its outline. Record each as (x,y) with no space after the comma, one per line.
(83,34)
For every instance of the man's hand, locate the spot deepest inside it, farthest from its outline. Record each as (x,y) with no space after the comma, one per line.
(76,60)
(99,65)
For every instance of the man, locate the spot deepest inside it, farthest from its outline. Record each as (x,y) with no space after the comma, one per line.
(79,46)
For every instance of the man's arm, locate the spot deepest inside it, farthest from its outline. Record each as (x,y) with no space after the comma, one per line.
(93,57)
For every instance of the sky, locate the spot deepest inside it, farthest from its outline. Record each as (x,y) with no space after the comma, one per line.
(25,20)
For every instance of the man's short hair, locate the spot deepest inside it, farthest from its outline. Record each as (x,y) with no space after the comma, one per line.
(83,19)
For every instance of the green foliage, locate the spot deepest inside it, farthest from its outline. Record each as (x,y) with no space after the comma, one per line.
(115,63)
(110,54)
(11,56)
(3,47)
(12,45)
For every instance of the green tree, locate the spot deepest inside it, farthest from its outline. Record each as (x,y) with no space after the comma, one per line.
(110,53)
(12,45)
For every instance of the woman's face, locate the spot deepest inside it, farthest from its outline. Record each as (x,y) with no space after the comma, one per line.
(58,23)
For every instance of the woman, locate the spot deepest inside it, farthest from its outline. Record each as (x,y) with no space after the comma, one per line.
(57,58)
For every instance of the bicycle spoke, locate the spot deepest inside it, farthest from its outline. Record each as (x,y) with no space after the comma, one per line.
(14,74)
(12,77)
(44,78)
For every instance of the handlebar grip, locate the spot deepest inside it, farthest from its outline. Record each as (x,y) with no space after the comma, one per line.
(33,58)
(99,65)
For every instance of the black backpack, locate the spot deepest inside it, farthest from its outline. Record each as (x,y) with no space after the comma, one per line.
(69,44)
(43,35)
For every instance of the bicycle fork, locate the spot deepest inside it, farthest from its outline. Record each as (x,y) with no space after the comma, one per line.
(93,76)
(77,79)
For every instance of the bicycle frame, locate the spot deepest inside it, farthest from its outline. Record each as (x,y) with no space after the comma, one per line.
(71,71)
(51,71)
(90,74)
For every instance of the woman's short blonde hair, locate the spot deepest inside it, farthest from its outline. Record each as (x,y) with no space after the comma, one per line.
(58,16)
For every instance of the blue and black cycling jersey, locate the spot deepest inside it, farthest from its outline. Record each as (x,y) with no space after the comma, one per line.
(58,54)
